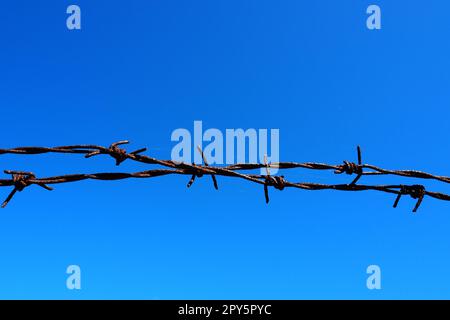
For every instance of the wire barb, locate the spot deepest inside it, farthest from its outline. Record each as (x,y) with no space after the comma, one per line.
(21,180)
(198,171)
(213,177)
(277,182)
(416,191)
(352,168)
(119,154)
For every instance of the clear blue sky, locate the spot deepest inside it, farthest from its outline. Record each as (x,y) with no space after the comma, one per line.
(140,69)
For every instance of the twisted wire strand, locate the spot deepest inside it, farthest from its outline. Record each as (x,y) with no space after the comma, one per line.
(21,180)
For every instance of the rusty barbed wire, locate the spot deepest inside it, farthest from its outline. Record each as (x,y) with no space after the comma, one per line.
(22,179)
(120,155)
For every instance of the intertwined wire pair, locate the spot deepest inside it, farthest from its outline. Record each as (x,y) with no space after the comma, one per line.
(20,179)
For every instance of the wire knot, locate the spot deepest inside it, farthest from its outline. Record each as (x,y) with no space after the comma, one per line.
(197,173)
(416,191)
(352,168)
(21,180)
(119,154)
(277,182)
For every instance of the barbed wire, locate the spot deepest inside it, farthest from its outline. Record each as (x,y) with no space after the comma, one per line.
(22,179)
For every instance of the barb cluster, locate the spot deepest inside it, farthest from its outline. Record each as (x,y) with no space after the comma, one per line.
(20,179)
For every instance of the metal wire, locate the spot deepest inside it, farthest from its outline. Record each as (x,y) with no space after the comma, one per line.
(20,179)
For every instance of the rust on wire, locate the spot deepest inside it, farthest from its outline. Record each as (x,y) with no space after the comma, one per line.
(416,191)
(20,179)
(199,173)
(119,154)
(351,168)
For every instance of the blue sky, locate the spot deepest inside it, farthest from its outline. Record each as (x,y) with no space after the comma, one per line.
(138,70)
